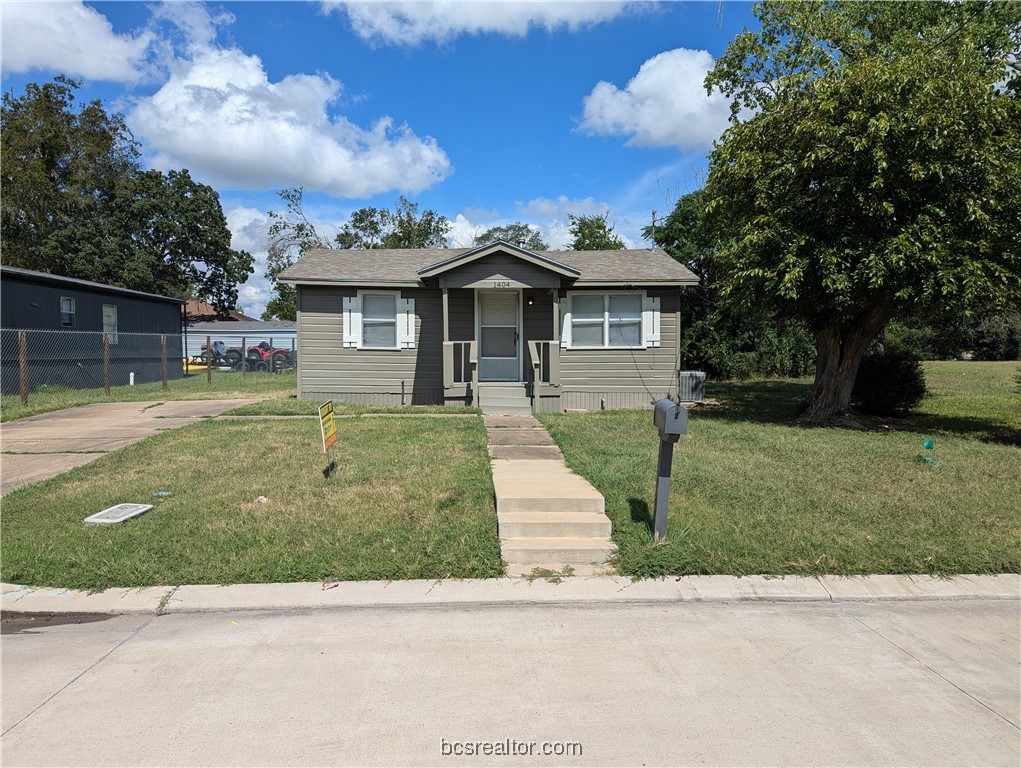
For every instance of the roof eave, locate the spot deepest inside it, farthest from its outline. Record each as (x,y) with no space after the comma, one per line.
(345,283)
(622,282)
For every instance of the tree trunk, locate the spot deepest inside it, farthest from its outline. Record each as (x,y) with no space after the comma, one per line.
(839,351)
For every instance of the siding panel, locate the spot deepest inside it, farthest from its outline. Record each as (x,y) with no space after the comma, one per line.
(328,369)
(500,266)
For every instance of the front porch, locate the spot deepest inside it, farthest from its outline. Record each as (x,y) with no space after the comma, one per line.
(490,355)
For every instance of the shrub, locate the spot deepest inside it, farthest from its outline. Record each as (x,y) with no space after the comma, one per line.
(888,383)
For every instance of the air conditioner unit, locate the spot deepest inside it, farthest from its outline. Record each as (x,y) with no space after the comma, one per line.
(690,386)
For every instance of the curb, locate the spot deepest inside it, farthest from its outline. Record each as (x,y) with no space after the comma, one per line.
(201,598)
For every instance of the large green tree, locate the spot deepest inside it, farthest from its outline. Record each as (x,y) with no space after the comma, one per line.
(292,234)
(77,202)
(403,227)
(59,166)
(516,233)
(724,338)
(593,233)
(880,169)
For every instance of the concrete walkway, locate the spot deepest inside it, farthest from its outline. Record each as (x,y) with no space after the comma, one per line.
(200,598)
(549,518)
(43,446)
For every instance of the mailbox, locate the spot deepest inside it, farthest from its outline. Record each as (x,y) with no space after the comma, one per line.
(670,419)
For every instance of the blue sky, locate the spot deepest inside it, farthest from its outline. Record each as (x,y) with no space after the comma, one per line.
(485,112)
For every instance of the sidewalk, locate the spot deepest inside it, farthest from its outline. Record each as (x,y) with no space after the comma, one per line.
(201,598)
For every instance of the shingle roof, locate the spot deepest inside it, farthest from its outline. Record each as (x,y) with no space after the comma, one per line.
(401,266)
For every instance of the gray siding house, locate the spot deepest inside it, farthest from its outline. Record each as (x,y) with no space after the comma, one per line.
(572,329)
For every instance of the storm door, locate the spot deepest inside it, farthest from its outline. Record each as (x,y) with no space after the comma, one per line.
(499,336)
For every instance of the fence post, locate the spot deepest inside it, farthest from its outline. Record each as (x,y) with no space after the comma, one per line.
(209,360)
(272,360)
(106,365)
(244,357)
(23,366)
(163,356)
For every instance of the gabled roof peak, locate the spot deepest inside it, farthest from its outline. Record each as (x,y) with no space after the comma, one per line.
(482,251)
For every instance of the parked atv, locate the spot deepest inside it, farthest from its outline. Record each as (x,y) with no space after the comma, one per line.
(220,355)
(264,358)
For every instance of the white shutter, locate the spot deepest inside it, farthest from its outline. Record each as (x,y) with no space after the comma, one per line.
(406,323)
(565,322)
(352,321)
(650,320)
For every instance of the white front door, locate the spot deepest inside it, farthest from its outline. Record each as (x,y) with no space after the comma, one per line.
(499,336)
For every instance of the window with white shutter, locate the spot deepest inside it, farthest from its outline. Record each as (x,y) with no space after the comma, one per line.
(607,320)
(379,320)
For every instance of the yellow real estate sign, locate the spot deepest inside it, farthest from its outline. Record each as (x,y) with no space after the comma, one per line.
(329,425)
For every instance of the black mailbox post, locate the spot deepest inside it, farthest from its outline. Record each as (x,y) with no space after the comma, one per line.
(671,420)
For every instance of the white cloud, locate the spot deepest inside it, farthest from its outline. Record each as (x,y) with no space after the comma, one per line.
(248,228)
(545,208)
(220,116)
(72,38)
(411,23)
(664,105)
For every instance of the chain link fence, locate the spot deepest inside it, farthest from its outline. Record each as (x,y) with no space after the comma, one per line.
(33,358)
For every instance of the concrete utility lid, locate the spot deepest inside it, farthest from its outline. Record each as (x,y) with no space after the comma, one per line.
(117,514)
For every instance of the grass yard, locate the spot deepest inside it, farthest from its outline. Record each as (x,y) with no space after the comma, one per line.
(413,498)
(293,407)
(754,493)
(225,385)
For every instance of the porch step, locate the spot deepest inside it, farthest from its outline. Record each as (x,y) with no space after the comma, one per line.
(502,389)
(506,409)
(504,398)
(563,550)
(544,525)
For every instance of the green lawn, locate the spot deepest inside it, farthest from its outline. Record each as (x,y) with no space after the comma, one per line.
(755,493)
(278,407)
(413,498)
(225,385)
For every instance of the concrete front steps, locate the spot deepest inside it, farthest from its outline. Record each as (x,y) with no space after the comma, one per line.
(504,398)
(550,519)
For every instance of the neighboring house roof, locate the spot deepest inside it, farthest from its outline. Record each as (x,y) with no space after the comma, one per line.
(406,267)
(264,327)
(73,282)
(197,310)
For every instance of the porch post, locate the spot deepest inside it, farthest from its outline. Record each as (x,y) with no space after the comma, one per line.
(556,315)
(446,316)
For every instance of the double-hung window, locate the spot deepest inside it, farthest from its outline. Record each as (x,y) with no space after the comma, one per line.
(66,312)
(377,319)
(626,320)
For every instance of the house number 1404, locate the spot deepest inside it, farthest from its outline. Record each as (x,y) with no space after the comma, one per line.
(501,283)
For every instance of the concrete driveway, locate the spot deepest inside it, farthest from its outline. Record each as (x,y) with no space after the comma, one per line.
(43,446)
(823,684)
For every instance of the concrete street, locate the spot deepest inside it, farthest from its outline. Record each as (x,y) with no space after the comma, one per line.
(40,447)
(900,682)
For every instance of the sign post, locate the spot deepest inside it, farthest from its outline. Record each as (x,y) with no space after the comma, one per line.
(328,425)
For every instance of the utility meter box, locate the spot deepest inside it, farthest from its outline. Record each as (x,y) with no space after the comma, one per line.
(670,419)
